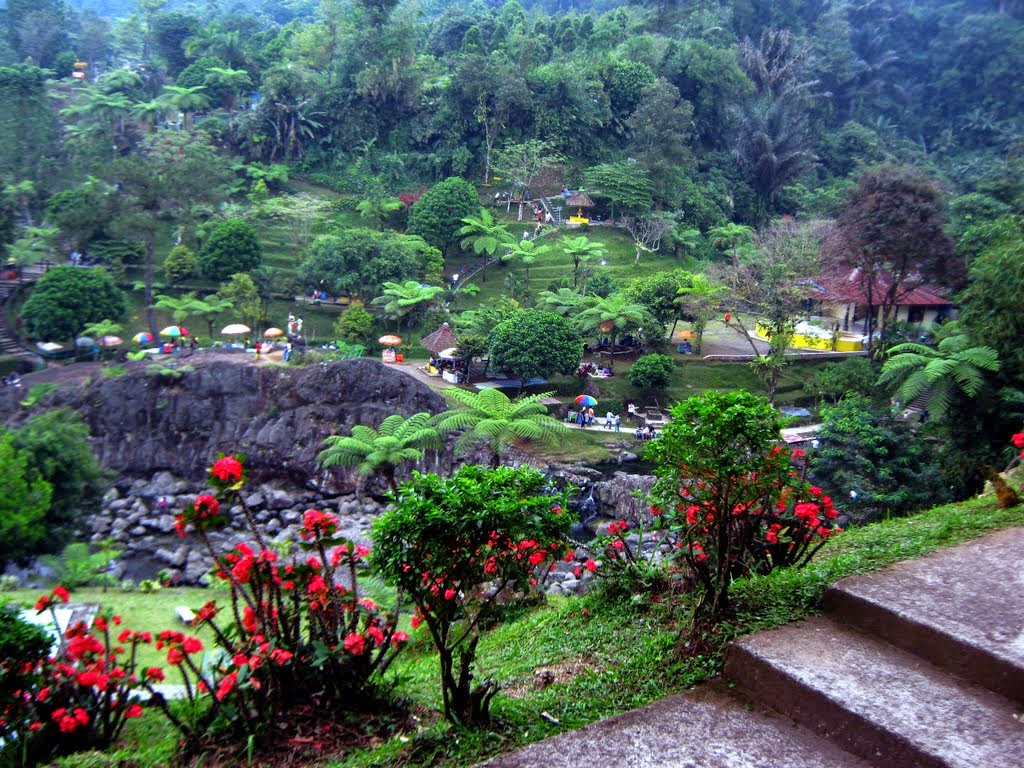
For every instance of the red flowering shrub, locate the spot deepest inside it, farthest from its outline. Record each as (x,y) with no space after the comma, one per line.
(76,696)
(297,630)
(455,546)
(731,500)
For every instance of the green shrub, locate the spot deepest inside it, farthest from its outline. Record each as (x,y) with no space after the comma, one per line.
(232,247)
(652,371)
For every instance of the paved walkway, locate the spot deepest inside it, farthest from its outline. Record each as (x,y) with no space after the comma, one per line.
(920,665)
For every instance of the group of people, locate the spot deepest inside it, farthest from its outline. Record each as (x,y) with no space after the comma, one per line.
(645,433)
(14,380)
(592,369)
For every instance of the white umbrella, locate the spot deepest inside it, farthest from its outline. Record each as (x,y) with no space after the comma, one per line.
(235,329)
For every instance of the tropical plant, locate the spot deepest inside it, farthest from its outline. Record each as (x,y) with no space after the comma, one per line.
(403,300)
(485,236)
(583,252)
(378,209)
(612,315)
(490,418)
(526,252)
(940,372)
(383,450)
(535,344)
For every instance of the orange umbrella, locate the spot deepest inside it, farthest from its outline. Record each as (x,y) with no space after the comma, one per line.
(686,335)
(390,341)
(273,333)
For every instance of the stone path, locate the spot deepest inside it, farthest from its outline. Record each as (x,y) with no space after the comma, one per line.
(917,666)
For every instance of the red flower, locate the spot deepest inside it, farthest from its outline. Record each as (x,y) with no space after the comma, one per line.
(207,506)
(227,469)
(61,593)
(175,656)
(192,645)
(133,711)
(280,656)
(1018,440)
(590,565)
(399,637)
(316,523)
(728,317)
(416,621)
(155,674)
(355,644)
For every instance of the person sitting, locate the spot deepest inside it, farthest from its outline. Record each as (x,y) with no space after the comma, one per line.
(570,416)
(606,371)
(639,433)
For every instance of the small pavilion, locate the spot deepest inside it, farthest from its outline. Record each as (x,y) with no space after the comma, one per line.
(579,201)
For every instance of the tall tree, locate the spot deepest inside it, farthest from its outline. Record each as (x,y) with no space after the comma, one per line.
(612,315)
(485,235)
(583,251)
(535,344)
(437,216)
(892,232)
(406,300)
(520,162)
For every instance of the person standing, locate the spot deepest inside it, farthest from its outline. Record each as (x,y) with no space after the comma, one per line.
(257,351)
(608,420)
(618,422)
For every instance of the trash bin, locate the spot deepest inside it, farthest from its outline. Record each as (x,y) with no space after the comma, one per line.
(399,358)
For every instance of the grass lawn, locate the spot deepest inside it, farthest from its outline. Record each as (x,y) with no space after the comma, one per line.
(144,612)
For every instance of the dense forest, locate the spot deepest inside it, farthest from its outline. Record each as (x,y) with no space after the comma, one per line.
(166,134)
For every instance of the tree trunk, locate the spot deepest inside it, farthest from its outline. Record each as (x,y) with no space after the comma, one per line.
(150,312)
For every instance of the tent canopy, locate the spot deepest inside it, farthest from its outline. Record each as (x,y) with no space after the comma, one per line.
(442,338)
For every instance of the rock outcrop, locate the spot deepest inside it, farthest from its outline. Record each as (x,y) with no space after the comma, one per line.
(149,420)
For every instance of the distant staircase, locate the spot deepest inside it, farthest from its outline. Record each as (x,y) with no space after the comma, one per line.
(9,345)
(554,212)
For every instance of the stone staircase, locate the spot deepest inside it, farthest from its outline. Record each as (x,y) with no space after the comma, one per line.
(8,344)
(917,666)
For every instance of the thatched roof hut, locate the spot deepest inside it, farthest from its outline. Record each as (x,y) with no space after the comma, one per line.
(442,338)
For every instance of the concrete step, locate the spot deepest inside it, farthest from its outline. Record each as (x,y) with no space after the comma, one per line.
(960,608)
(705,728)
(888,706)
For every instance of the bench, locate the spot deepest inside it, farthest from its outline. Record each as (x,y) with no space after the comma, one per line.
(185,615)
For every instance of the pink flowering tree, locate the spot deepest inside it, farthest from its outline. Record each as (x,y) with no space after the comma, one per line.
(732,500)
(295,632)
(458,547)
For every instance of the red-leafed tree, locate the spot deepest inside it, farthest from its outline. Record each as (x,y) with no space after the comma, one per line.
(891,231)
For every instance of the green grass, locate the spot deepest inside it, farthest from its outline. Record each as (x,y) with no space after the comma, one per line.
(625,652)
(143,612)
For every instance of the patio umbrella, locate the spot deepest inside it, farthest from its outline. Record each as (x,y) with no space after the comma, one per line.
(273,333)
(452,353)
(110,341)
(235,329)
(442,338)
(686,335)
(145,337)
(390,341)
(85,342)
(174,331)
(586,400)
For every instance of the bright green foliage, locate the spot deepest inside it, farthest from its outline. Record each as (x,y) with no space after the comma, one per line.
(82,212)
(406,300)
(76,566)
(731,498)
(55,444)
(955,365)
(23,504)
(584,253)
(535,344)
(437,216)
(180,307)
(398,440)
(612,315)
(626,185)
(485,235)
(659,292)
(232,247)
(874,462)
(181,264)
(27,124)
(834,381)
(526,252)
(490,418)
(699,302)
(67,299)
(355,324)
(242,295)
(377,210)
(445,540)
(731,238)
(652,371)
(991,311)
(358,262)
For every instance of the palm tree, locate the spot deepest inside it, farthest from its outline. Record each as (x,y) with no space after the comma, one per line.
(485,236)
(402,299)
(209,307)
(383,450)
(491,418)
(731,237)
(231,81)
(612,315)
(526,251)
(180,308)
(699,300)
(186,100)
(148,112)
(953,366)
(564,301)
(582,250)
(378,209)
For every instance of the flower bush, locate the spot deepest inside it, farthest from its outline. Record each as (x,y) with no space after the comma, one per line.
(297,631)
(732,500)
(456,546)
(74,697)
